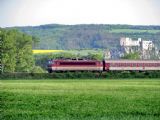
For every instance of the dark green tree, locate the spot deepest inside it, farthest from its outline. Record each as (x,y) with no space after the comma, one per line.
(8,50)
(16,51)
(24,57)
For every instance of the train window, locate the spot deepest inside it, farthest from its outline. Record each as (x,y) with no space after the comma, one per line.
(139,65)
(158,65)
(127,64)
(117,64)
(113,64)
(142,64)
(154,65)
(122,64)
(131,64)
(147,65)
(134,64)
(151,64)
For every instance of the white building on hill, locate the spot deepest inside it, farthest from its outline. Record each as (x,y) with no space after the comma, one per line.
(144,46)
(128,42)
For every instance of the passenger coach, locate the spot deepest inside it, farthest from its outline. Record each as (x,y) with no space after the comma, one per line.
(139,65)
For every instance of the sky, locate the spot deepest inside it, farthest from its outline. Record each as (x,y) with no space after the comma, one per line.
(38,12)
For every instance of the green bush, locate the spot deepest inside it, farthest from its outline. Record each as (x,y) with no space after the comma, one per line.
(38,69)
(83,74)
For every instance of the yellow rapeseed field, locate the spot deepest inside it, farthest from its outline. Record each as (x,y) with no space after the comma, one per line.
(46,51)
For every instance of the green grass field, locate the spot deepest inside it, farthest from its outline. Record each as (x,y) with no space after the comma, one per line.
(137,99)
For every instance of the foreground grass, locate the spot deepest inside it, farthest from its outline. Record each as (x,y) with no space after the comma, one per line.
(80,99)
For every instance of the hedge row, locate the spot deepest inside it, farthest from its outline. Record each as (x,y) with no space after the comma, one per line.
(68,75)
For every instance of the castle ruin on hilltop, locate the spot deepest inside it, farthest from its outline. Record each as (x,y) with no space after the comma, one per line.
(145,48)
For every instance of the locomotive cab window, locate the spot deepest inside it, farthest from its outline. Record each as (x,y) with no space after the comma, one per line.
(50,62)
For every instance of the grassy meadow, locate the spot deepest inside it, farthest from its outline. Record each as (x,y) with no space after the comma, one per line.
(74,99)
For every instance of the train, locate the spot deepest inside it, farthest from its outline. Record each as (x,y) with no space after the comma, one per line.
(104,65)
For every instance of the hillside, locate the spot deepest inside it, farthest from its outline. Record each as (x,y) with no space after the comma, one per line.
(55,36)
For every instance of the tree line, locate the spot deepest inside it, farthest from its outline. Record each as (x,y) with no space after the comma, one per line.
(16,51)
(90,36)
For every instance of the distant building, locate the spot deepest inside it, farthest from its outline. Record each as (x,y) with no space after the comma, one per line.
(145,47)
(128,42)
(144,44)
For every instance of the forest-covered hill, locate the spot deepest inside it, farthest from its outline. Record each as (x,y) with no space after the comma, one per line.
(89,36)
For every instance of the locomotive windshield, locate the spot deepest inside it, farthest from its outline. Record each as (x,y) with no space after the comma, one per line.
(50,62)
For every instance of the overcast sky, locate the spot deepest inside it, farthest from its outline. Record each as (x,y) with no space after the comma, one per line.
(37,12)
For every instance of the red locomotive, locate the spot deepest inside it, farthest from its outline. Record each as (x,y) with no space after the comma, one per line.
(75,65)
(107,65)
